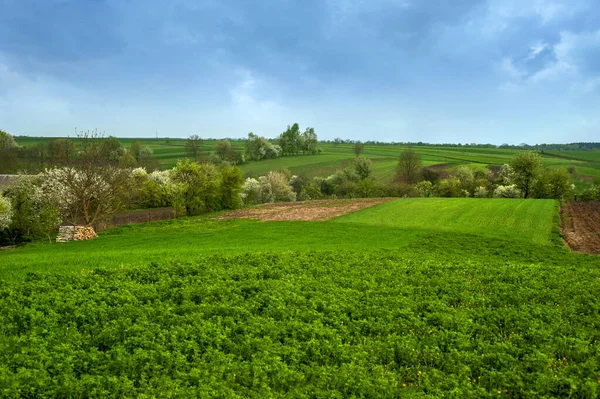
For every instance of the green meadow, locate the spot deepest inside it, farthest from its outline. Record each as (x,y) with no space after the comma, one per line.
(465,298)
(392,226)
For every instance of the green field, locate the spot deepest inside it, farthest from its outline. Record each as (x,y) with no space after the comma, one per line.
(388,226)
(385,157)
(508,219)
(412,298)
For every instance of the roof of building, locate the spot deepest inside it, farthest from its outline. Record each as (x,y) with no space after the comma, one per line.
(7,180)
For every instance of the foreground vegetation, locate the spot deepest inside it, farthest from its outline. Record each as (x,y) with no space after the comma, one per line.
(241,308)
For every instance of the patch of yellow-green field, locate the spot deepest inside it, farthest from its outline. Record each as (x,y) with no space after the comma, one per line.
(513,219)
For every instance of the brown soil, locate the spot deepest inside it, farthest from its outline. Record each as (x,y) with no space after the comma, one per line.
(581,226)
(310,210)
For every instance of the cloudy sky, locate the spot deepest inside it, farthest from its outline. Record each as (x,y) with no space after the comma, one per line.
(393,70)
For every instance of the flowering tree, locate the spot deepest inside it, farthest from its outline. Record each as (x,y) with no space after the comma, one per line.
(86,194)
(5,212)
(34,213)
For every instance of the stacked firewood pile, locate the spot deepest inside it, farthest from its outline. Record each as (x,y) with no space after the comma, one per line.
(75,233)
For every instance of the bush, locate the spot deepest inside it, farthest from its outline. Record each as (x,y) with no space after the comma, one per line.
(481,192)
(591,194)
(363,167)
(201,186)
(35,210)
(510,191)
(449,187)
(231,187)
(281,190)
(5,212)
(251,192)
(424,188)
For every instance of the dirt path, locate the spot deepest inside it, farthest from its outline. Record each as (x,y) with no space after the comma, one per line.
(307,211)
(581,226)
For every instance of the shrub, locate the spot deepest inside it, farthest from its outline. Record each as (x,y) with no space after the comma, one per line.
(251,192)
(34,209)
(481,192)
(363,167)
(231,187)
(510,191)
(5,212)
(281,190)
(201,186)
(424,188)
(449,187)
(591,194)
(466,176)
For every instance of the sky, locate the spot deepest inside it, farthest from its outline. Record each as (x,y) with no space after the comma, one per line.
(439,71)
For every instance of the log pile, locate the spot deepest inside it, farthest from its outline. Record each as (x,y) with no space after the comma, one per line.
(75,233)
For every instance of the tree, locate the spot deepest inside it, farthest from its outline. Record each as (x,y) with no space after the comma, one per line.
(62,152)
(559,183)
(409,166)
(363,167)
(309,141)
(258,148)
(90,191)
(8,153)
(35,212)
(135,150)
(358,148)
(231,187)
(5,212)
(289,141)
(112,149)
(200,186)
(7,141)
(224,150)
(193,147)
(526,168)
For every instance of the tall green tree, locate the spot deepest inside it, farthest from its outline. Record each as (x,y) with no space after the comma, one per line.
(232,180)
(409,166)
(201,184)
(309,141)
(358,148)
(526,168)
(8,153)
(193,147)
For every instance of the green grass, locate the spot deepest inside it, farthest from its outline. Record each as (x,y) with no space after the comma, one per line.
(388,226)
(518,219)
(385,157)
(421,298)
(189,238)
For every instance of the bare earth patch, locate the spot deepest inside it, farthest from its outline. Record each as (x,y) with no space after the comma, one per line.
(306,211)
(581,226)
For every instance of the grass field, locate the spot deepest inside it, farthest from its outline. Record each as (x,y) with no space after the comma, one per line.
(507,219)
(385,158)
(412,298)
(389,226)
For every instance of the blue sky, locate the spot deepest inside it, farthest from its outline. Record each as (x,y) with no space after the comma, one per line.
(499,71)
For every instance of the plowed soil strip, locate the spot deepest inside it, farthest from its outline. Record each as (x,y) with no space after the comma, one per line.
(306,211)
(581,226)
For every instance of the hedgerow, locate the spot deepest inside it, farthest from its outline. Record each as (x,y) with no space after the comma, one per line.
(314,325)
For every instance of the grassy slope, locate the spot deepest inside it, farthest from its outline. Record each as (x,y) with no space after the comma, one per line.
(385,157)
(508,219)
(391,226)
(364,308)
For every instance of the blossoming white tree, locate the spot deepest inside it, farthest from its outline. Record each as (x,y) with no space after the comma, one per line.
(5,212)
